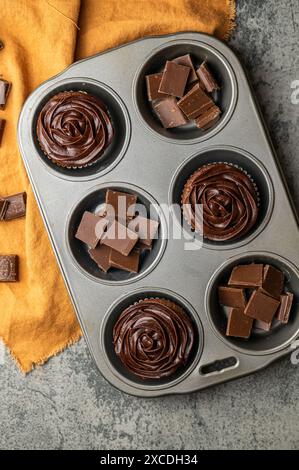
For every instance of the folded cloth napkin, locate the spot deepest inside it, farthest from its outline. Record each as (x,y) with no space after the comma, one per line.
(41,38)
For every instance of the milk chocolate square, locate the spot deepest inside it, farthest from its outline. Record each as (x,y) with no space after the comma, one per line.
(120,205)
(120,238)
(8,268)
(174,79)
(247,275)
(127,263)
(207,78)
(187,62)
(286,301)
(195,102)
(91,229)
(239,325)
(231,296)
(100,254)
(16,206)
(273,281)
(145,228)
(152,86)
(4,92)
(208,118)
(261,306)
(169,113)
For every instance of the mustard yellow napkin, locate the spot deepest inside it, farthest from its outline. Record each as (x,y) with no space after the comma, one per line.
(41,38)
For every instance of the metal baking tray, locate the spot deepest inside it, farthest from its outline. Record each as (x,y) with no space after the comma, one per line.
(154,163)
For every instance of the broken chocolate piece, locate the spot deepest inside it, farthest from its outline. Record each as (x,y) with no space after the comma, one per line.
(273,281)
(16,206)
(120,205)
(247,275)
(100,254)
(195,102)
(261,306)
(284,310)
(207,78)
(169,113)
(174,79)
(2,126)
(238,325)
(4,92)
(1,45)
(142,247)
(187,62)
(3,208)
(152,85)
(128,263)
(231,296)
(91,229)
(8,268)
(120,238)
(145,228)
(209,118)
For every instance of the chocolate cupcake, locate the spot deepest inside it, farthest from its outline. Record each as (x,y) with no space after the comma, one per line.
(74,129)
(220,201)
(153,338)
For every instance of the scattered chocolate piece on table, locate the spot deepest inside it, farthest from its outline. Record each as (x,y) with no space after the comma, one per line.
(169,113)
(273,281)
(238,324)
(152,85)
(174,79)
(247,275)
(121,205)
(261,306)
(2,127)
(195,102)
(209,118)
(187,62)
(127,263)
(207,78)
(145,228)
(5,87)
(9,268)
(231,296)
(286,301)
(120,238)
(91,229)
(262,325)
(16,206)
(100,254)
(3,208)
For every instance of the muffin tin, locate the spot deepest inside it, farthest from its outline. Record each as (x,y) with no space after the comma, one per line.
(154,163)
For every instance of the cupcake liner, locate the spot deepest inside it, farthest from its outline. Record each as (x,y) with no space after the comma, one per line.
(238,167)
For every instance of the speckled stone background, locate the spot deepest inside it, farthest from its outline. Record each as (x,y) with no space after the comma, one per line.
(67,405)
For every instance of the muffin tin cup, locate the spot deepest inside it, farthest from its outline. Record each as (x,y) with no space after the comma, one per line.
(155,164)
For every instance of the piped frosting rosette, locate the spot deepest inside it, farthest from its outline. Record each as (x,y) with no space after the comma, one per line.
(153,338)
(220,201)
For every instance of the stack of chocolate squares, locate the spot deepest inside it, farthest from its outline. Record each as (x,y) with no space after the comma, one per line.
(256,297)
(181,94)
(115,236)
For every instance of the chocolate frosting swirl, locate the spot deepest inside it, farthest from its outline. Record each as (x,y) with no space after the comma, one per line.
(74,128)
(153,338)
(228,198)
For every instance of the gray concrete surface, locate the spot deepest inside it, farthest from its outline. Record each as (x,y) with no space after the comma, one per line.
(67,405)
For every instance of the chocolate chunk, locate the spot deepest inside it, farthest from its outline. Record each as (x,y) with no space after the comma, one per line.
(273,281)
(127,263)
(238,325)
(261,306)
(262,325)
(1,45)
(195,102)
(2,126)
(284,311)
(120,238)
(209,118)
(142,247)
(152,85)
(100,254)
(146,228)
(247,275)
(169,113)
(174,79)
(231,296)
(8,268)
(4,92)
(16,206)
(3,208)
(91,229)
(120,205)
(187,62)
(207,78)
